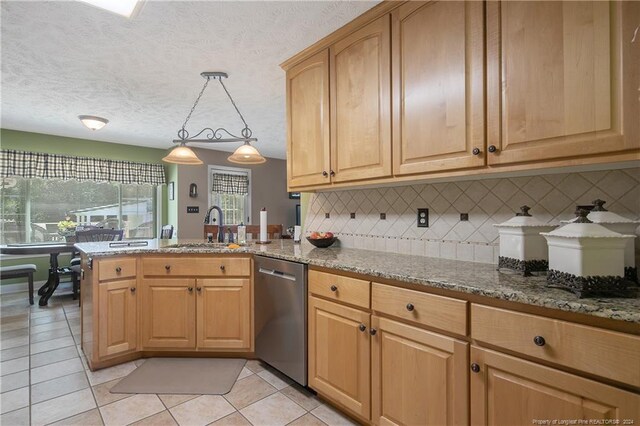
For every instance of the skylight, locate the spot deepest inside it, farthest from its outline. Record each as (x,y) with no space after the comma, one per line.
(125,8)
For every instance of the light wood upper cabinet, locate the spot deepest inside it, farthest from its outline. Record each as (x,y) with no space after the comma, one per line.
(308,122)
(511,391)
(339,354)
(118,322)
(438,86)
(562,79)
(168,313)
(360,79)
(418,377)
(224,313)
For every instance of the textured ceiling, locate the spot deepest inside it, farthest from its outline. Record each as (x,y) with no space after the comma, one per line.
(62,59)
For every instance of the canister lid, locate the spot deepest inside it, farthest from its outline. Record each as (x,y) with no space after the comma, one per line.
(523,219)
(583,227)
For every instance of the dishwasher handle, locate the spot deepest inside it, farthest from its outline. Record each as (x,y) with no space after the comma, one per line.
(276,273)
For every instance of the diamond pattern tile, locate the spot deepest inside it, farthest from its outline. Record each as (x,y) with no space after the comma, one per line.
(552,198)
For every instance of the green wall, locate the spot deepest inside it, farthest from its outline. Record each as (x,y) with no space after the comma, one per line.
(38,142)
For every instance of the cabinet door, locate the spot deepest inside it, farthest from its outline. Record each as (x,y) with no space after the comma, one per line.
(118,324)
(308,122)
(562,79)
(224,313)
(361,103)
(168,313)
(339,354)
(418,377)
(438,64)
(509,391)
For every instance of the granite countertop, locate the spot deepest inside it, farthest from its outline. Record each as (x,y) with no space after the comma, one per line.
(467,277)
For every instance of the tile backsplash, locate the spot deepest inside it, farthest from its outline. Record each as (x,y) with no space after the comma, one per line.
(552,198)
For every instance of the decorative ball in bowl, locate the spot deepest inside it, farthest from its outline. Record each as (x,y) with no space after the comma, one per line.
(321,239)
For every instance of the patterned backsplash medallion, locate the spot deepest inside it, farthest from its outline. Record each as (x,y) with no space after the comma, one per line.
(552,198)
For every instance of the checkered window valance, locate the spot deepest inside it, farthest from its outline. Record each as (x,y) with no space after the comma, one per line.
(223,183)
(53,166)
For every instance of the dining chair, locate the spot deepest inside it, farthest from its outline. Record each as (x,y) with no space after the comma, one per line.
(90,236)
(167,232)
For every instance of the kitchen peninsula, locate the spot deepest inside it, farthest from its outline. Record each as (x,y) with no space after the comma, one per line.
(392,319)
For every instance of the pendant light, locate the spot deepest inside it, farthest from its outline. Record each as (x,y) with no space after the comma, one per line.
(245,154)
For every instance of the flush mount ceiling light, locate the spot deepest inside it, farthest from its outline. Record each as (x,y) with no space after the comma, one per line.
(126,8)
(92,122)
(245,154)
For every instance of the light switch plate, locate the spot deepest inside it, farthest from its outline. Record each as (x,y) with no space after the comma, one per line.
(193,209)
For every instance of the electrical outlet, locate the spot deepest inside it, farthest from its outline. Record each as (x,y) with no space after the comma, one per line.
(327,215)
(352,215)
(423,218)
(383,216)
(193,209)
(464,217)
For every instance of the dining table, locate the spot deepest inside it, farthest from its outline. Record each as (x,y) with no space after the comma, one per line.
(53,249)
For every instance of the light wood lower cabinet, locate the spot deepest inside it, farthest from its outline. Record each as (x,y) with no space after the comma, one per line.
(509,391)
(339,354)
(417,377)
(224,314)
(118,322)
(168,313)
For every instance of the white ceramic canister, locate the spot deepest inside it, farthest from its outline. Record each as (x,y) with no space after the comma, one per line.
(522,248)
(587,258)
(621,225)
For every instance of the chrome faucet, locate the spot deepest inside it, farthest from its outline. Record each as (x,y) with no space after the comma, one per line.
(207,221)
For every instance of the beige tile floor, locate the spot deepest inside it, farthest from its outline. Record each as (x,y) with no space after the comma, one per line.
(45,380)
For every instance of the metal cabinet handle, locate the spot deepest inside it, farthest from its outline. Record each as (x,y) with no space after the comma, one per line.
(492,148)
(373,331)
(410,307)
(332,173)
(475,368)
(190,289)
(167,267)
(324,173)
(539,341)
(199,289)
(476,151)
(334,288)
(362,327)
(222,268)
(133,289)
(118,269)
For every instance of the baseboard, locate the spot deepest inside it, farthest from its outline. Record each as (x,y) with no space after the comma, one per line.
(24,286)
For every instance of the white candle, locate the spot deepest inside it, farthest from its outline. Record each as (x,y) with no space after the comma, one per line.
(263,225)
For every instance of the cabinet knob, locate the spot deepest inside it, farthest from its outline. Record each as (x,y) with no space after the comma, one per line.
(332,173)
(492,148)
(476,151)
(199,289)
(539,341)
(410,307)
(362,327)
(133,289)
(190,289)
(167,267)
(324,173)
(373,331)
(334,288)
(118,269)
(222,268)
(475,368)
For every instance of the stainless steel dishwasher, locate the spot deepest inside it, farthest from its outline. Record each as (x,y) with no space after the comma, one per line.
(281,315)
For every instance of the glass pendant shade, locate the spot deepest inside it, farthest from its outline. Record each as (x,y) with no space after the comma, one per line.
(246,154)
(92,122)
(182,155)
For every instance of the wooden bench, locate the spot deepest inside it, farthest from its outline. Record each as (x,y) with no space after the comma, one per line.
(20,271)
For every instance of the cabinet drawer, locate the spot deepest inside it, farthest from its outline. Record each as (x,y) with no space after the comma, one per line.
(109,269)
(597,351)
(199,266)
(434,311)
(342,289)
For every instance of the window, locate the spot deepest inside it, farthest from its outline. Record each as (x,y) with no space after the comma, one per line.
(231,191)
(32,208)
